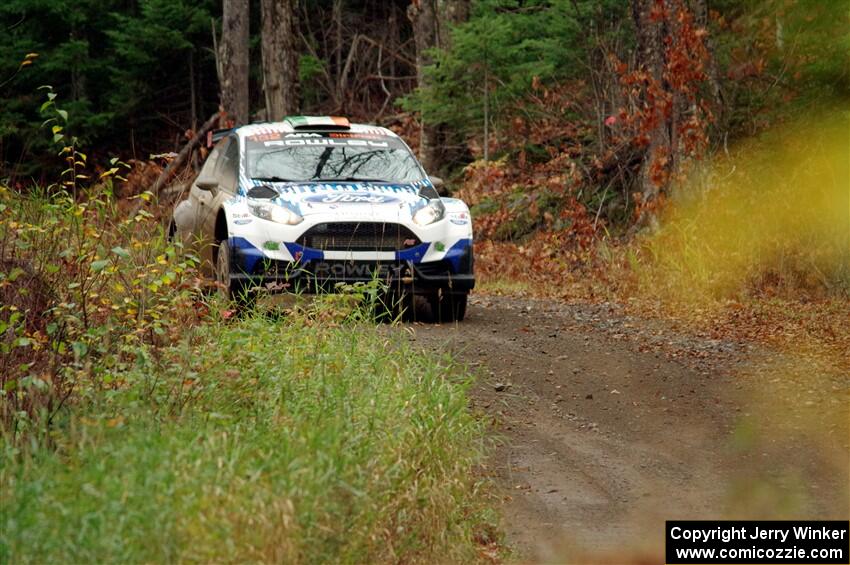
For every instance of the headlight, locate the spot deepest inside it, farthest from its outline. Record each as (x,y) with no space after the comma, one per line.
(275,213)
(430,213)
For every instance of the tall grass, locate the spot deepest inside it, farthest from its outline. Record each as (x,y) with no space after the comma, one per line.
(286,441)
(135,426)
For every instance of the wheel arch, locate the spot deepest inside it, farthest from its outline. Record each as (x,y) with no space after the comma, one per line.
(221,231)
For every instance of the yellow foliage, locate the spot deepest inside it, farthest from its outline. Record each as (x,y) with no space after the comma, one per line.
(772,216)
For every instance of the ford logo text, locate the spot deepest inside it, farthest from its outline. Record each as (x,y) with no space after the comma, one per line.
(351,198)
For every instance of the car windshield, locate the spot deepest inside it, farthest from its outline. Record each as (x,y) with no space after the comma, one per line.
(329,157)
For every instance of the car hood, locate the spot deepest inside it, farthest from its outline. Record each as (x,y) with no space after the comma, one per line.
(351,197)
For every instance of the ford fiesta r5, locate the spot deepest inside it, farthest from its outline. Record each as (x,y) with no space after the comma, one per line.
(310,202)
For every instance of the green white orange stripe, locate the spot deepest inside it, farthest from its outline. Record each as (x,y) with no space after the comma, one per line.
(308,121)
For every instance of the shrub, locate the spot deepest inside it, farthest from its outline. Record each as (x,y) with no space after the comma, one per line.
(81,287)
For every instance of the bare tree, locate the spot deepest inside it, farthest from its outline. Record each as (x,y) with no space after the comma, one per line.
(423,16)
(451,13)
(233,59)
(362,58)
(280,58)
(432,21)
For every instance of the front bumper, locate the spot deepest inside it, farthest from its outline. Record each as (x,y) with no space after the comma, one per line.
(313,273)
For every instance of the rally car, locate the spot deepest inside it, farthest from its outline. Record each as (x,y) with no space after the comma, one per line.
(310,202)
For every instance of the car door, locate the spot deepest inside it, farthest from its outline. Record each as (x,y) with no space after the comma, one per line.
(210,201)
(190,212)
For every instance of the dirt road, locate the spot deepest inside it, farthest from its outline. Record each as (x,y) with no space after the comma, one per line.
(606,425)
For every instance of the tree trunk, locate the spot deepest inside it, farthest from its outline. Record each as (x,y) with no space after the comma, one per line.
(423,17)
(450,13)
(78,78)
(651,30)
(280,58)
(700,10)
(669,38)
(175,164)
(432,21)
(233,53)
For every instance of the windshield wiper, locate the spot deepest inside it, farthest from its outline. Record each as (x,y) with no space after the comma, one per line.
(272,179)
(354,179)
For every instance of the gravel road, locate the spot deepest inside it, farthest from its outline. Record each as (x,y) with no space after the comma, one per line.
(607,425)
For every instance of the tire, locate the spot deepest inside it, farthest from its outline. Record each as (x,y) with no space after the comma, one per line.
(448,307)
(229,288)
(408,307)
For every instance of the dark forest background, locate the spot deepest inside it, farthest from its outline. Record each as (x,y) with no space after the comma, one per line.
(611,97)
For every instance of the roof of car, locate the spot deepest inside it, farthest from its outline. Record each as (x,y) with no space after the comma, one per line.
(308,124)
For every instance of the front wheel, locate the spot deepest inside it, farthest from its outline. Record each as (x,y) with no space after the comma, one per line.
(229,287)
(448,307)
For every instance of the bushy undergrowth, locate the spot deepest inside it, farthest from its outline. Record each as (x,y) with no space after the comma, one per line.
(137,427)
(81,286)
(771,217)
(287,441)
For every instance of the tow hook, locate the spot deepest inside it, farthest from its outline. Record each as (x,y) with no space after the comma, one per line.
(407,276)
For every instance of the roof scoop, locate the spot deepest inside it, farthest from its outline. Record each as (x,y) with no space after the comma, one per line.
(262,192)
(318,123)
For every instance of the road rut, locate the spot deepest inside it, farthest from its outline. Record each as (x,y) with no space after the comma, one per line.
(606,425)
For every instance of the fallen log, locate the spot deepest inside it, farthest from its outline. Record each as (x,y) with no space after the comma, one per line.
(181,158)
(178,161)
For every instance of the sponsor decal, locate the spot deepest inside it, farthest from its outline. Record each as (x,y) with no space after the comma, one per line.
(377,130)
(357,136)
(351,270)
(264,136)
(242,222)
(352,198)
(320,187)
(326,142)
(459,218)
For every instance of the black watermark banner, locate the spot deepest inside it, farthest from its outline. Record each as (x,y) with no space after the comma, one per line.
(695,542)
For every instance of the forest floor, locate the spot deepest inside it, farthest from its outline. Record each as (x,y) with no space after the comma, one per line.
(606,424)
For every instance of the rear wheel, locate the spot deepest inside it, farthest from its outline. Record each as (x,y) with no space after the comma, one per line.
(448,307)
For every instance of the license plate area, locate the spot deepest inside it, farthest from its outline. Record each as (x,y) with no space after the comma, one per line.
(353,270)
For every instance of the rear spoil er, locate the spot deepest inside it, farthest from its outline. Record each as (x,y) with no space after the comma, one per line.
(454,271)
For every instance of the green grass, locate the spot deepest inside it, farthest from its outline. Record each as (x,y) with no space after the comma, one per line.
(504,286)
(256,440)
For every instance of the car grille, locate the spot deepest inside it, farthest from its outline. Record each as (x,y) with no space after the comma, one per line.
(359,236)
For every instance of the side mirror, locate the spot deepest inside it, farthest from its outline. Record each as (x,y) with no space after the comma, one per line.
(206,182)
(439,185)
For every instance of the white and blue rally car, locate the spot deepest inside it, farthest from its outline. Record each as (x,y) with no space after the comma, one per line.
(310,202)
